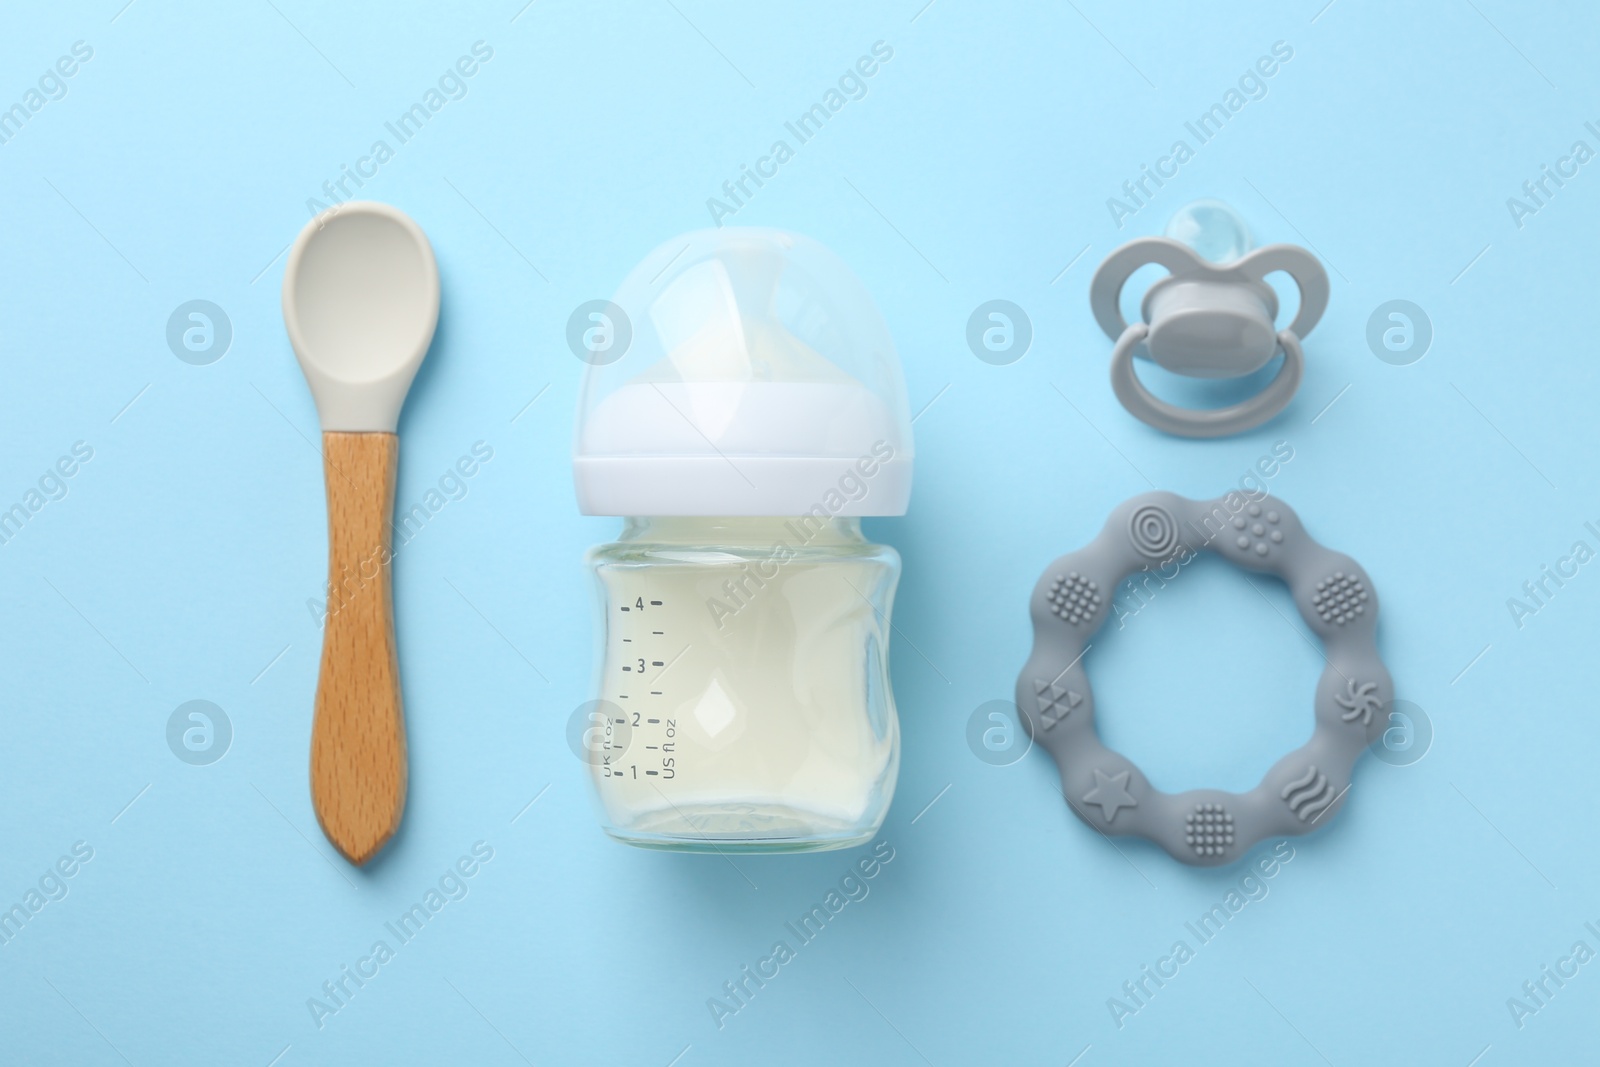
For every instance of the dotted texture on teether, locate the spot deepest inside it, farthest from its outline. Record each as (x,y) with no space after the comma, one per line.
(1074,598)
(1340,598)
(1208,829)
(1257,530)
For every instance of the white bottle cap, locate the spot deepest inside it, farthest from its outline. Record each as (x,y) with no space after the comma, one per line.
(742,372)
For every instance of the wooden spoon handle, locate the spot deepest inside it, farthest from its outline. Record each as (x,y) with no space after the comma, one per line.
(358,738)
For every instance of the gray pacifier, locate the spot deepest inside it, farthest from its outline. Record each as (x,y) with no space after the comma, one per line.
(1207,320)
(1303,790)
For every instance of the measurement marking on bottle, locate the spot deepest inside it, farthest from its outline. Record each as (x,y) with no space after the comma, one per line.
(660,755)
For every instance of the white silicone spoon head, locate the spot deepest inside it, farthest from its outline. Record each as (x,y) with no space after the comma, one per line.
(360,301)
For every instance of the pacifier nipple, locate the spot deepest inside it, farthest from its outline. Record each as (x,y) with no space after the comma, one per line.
(1211,228)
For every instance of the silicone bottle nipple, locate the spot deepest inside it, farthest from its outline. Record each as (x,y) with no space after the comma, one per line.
(758,373)
(719,321)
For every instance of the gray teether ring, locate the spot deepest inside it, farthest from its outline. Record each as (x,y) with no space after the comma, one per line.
(1207,320)
(1303,790)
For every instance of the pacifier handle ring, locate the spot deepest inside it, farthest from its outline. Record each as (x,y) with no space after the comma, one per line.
(1216,422)
(1308,274)
(1105,291)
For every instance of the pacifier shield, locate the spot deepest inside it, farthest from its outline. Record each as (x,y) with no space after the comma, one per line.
(1209,330)
(1303,790)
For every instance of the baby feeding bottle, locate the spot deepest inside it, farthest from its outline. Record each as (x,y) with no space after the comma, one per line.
(742,409)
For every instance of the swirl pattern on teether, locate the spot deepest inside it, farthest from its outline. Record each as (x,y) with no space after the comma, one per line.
(1303,789)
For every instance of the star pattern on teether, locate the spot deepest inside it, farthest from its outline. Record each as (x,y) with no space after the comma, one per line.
(1110,793)
(1056,701)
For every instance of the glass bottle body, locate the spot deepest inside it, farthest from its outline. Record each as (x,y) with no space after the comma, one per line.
(743,694)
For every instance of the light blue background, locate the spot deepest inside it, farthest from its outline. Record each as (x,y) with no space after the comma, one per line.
(178,567)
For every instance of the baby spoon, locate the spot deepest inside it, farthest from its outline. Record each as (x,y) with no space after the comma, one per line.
(360,302)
